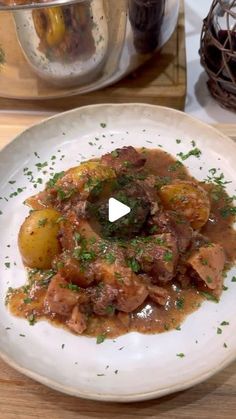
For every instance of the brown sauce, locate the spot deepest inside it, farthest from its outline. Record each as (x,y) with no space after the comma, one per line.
(150,317)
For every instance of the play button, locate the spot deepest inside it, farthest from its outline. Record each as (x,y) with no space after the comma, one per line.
(117,210)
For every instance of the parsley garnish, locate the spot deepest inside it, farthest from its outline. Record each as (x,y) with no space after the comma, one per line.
(168,256)
(101,338)
(42,222)
(180,355)
(110,309)
(219,331)
(54,179)
(195,152)
(134,265)
(27,300)
(180,303)
(31,319)
(110,258)
(209,296)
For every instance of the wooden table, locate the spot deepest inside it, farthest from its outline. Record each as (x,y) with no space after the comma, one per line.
(23,398)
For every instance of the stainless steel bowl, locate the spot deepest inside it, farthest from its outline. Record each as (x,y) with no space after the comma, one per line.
(60,48)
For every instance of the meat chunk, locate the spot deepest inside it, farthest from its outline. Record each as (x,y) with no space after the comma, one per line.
(158,294)
(208,262)
(150,193)
(103,298)
(78,321)
(157,255)
(72,271)
(131,292)
(175,223)
(59,298)
(123,159)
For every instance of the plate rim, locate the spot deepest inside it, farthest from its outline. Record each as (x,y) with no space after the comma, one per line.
(111,397)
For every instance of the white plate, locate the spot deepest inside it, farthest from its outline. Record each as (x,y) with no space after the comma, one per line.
(147,366)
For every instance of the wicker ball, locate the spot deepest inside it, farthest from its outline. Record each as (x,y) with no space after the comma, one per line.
(218,51)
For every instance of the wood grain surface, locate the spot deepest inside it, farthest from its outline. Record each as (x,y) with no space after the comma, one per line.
(23,398)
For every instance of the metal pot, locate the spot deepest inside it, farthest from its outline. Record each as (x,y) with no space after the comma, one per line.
(60,48)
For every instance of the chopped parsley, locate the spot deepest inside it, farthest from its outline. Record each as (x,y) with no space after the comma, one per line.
(175,166)
(101,338)
(27,300)
(209,296)
(224,323)
(233,279)
(115,153)
(103,125)
(180,355)
(51,183)
(110,309)
(168,256)
(219,331)
(7,264)
(179,303)
(178,141)
(110,258)
(195,152)
(225,346)
(209,279)
(133,264)
(42,222)
(31,319)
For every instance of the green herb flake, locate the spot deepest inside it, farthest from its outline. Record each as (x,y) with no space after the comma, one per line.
(116,371)
(195,152)
(73,287)
(21,334)
(7,264)
(224,323)
(168,256)
(101,338)
(179,303)
(27,300)
(175,166)
(63,346)
(103,125)
(178,328)
(133,264)
(209,296)
(42,222)
(219,331)
(51,183)
(209,279)
(31,319)
(115,153)
(233,279)
(178,141)
(110,258)
(225,345)
(180,355)
(110,310)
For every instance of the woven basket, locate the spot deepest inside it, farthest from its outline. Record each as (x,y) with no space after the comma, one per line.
(218,51)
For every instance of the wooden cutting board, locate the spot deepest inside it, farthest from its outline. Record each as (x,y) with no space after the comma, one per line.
(23,398)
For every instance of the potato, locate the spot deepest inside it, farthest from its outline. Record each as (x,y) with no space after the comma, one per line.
(87,175)
(188,198)
(37,238)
